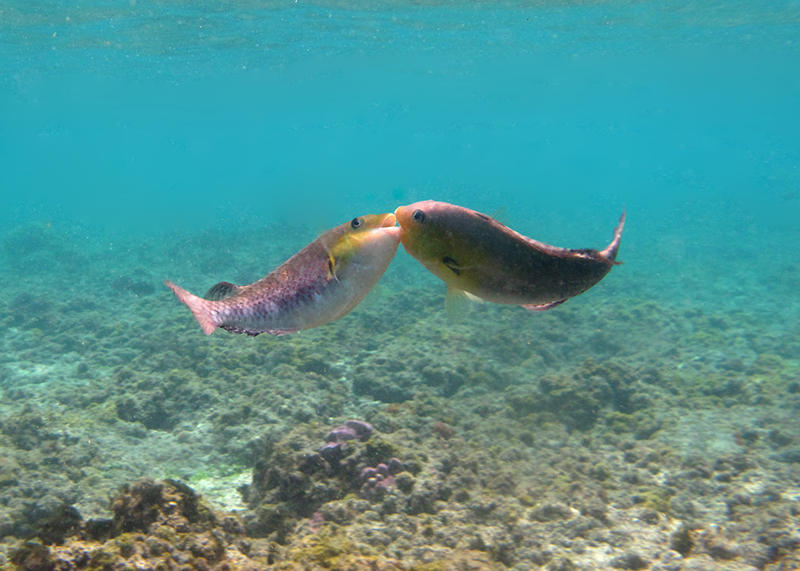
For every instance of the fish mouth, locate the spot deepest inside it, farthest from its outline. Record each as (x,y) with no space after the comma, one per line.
(399,213)
(389,220)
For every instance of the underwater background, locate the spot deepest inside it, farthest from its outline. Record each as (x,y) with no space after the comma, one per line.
(650,423)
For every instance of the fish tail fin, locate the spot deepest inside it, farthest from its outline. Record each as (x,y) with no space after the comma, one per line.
(202,309)
(610,253)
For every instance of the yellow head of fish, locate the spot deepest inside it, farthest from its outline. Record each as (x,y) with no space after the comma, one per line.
(361,239)
(438,234)
(351,236)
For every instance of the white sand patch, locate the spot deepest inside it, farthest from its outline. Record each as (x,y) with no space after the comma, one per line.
(222,492)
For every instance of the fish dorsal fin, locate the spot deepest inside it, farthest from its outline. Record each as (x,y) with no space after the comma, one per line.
(222,290)
(543,306)
(500,215)
(457,304)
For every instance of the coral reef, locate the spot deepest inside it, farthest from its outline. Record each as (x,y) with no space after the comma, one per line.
(626,434)
(155,525)
(294,477)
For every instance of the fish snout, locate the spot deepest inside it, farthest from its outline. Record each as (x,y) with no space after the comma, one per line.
(402,214)
(388,220)
(416,213)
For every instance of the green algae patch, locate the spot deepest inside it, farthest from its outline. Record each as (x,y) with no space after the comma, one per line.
(103,558)
(460,559)
(379,449)
(657,500)
(9,471)
(642,424)
(105,412)
(126,543)
(330,548)
(162,523)
(767,363)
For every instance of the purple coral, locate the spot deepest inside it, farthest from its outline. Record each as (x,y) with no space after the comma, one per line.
(338,437)
(351,430)
(375,481)
(332,451)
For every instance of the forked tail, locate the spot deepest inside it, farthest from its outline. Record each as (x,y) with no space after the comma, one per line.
(610,253)
(202,309)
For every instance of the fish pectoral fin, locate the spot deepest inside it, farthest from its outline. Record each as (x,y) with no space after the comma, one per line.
(452,265)
(457,304)
(222,290)
(543,306)
(332,268)
(472,297)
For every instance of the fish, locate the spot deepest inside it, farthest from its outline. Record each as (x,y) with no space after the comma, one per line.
(319,284)
(480,258)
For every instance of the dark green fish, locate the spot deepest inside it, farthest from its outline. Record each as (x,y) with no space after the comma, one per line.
(475,254)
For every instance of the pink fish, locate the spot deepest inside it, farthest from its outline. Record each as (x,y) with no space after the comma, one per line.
(319,284)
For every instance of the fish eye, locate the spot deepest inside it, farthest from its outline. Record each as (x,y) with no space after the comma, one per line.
(356,223)
(418,216)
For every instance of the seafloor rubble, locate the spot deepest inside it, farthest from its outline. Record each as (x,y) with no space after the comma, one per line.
(621,431)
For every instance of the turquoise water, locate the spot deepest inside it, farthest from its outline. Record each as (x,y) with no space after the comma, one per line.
(144,114)
(201,141)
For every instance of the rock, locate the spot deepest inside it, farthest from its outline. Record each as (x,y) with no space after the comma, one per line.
(778,438)
(147,503)
(405,482)
(709,540)
(790,456)
(164,522)
(670,561)
(351,430)
(682,540)
(705,562)
(33,556)
(550,511)
(9,471)
(648,515)
(631,560)
(55,528)
(561,564)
